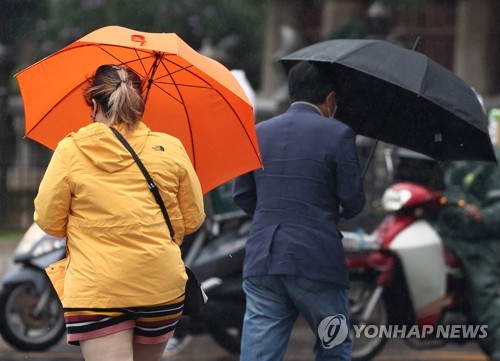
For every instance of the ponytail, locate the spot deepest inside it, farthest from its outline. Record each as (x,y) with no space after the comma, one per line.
(118,90)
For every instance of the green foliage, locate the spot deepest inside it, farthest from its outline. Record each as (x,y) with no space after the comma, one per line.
(10,236)
(61,22)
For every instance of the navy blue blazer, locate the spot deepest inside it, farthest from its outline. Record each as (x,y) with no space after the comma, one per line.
(311,171)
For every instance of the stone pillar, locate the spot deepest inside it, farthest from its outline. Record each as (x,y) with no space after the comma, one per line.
(282,36)
(270,72)
(477,42)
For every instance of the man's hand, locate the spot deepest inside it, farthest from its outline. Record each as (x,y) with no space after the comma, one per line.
(473,212)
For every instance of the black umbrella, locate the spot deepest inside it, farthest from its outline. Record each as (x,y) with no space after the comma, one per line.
(404,98)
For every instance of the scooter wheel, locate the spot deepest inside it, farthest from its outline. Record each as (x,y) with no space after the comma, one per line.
(23,326)
(365,348)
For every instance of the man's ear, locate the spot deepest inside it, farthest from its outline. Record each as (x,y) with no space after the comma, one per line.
(331,99)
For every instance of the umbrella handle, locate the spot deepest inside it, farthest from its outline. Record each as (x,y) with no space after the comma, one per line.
(370,157)
(372,151)
(416,43)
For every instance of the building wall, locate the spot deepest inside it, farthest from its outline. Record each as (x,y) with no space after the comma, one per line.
(476,51)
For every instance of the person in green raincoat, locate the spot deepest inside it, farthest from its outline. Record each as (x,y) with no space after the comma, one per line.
(472,231)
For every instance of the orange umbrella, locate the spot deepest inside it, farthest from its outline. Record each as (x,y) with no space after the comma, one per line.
(188,95)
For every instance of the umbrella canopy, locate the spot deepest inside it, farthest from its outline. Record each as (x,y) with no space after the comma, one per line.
(404,98)
(188,95)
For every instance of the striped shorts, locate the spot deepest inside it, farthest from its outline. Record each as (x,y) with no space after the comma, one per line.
(151,325)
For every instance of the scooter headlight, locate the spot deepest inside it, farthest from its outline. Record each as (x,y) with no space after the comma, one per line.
(36,242)
(47,245)
(30,238)
(394,199)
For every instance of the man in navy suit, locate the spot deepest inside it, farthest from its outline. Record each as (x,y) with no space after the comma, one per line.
(294,260)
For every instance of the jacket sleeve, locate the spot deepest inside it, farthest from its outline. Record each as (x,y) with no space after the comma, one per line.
(190,198)
(54,197)
(491,218)
(349,180)
(491,207)
(483,190)
(244,193)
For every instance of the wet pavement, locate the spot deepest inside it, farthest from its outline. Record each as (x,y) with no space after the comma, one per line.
(6,250)
(203,348)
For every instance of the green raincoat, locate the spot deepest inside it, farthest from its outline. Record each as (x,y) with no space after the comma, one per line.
(477,244)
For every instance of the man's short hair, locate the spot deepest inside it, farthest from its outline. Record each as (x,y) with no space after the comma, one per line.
(310,82)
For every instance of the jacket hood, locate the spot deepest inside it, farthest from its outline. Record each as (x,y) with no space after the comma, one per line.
(98,143)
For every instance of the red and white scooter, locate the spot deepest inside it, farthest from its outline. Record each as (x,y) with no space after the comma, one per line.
(404,282)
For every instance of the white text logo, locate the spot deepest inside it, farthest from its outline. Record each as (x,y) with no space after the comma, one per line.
(441,331)
(333,330)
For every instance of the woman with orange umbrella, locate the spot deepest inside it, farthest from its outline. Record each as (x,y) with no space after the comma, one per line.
(188,95)
(124,281)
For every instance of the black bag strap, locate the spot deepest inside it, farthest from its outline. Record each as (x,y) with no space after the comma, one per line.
(151,183)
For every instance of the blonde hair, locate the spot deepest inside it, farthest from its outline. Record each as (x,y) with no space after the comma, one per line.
(118,91)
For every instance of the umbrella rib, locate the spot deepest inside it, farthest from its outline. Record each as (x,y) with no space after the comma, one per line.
(183,85)
(151,74)
(55,105)
(209,86)
(147,74)
(148,54)
(185,111)
(242,126)
(139,58)
(140,61)
(167,93)
(183,68)
(178,85)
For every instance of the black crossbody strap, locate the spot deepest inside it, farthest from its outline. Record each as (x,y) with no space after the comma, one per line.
(151,183)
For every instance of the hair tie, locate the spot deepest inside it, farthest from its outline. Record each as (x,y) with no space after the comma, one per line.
(120,83)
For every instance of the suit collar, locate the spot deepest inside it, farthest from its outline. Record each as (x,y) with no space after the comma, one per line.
(305,106)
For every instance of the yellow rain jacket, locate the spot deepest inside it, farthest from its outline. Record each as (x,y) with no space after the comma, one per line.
(93,193)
